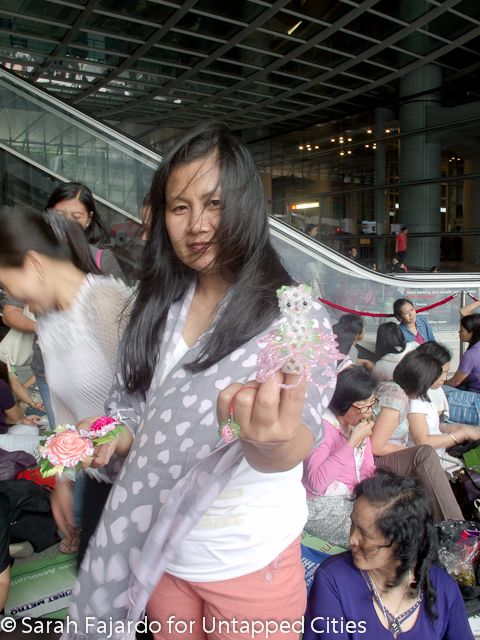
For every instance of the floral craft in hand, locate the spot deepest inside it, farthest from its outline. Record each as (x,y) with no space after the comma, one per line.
(67,449)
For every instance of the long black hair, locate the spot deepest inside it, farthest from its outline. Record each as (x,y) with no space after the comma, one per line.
(245,258)
(390,339)
(471,324)
(416,373)
(353,385)
(405,519)
(96,232)
(24,229)
(4,373)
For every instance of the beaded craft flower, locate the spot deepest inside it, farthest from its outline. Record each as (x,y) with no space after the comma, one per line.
(296,346)
(67,449)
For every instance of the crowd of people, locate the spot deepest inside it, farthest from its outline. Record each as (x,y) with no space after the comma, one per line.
(175,520)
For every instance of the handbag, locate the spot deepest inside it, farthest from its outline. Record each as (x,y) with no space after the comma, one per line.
(465,485)
(464,407)
(12,462)
(16,348)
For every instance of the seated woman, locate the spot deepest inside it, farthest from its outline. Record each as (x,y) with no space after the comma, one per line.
(414,328)
(390,348)
(388,584)
(12,414)
(467,376)
(412,378)
(345,337)
(424,412)
(342,458)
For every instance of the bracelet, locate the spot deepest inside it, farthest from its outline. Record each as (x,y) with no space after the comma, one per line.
(453,438)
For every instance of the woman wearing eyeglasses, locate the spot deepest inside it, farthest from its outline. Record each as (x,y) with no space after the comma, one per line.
(388,585)
(343,457)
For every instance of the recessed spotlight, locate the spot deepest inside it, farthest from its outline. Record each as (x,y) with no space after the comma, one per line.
(316,146)
(367,146)
(178,101)
(349,153)
(342,153)
(349,139)
(458,159)
(332,139)
(369,131)
(388,131)
(301,148)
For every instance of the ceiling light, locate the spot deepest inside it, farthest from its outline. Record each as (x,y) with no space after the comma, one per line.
(459,159)
(295,26)
(367,146)
(305,205)
(178,101)
(316,146)
(369,131)
(332,139)
(349,139)
(301,148)
(349,153)
(342,153)
(388,130)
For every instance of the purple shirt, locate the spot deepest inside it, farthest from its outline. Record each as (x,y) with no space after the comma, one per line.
(470,363)
(7,401)
(340,607)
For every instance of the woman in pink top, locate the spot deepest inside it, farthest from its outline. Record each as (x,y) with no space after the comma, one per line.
(342,458)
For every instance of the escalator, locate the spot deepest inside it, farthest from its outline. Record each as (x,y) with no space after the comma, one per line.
(44,141)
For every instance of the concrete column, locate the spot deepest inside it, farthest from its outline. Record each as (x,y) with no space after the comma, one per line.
(420,159)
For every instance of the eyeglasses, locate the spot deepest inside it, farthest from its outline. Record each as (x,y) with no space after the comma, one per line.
(367,407)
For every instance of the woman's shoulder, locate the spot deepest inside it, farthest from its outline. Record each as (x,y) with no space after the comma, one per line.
(339,566)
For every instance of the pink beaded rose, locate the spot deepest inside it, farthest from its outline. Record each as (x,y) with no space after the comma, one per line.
(65,449)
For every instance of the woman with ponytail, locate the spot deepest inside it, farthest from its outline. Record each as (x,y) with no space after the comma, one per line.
(46,263)
(388,584)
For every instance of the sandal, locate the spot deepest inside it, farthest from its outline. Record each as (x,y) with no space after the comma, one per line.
(70,543)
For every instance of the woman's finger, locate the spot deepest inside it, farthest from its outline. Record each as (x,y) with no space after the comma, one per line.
(265,409)
(224,400)
(292,400)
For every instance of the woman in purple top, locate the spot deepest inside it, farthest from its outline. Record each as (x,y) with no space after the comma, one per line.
(468,373)
(387,586)
(414,328)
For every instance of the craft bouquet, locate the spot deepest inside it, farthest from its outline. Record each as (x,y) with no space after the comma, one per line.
(67,449)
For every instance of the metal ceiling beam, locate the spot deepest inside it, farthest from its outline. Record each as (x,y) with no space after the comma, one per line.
(67,38)
(146,46)
(393,76)
(259,20)
(322,78)
(323,35)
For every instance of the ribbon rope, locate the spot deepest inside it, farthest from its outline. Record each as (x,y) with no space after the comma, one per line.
(472,297)
(386,315)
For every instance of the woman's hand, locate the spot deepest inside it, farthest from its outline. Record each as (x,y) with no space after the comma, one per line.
(360,431)
(469,432)
(103,452)
(272,432)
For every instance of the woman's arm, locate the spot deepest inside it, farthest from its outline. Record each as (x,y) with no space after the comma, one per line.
(421,435)
(469,308)
(19,390)
(323,465)
(457,379)
(14,415)
(13,317)
(385,424)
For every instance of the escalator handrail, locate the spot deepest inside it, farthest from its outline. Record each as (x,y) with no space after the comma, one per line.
(113,136)
(334,259)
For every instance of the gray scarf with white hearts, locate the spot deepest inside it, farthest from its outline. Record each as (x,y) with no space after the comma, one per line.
(176,468)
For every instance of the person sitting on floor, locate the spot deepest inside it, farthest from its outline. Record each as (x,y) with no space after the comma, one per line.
(388,584)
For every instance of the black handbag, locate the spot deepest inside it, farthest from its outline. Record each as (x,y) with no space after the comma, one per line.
(466,488)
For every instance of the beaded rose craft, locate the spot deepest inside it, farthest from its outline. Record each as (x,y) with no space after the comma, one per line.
(296,346)
(67,449)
